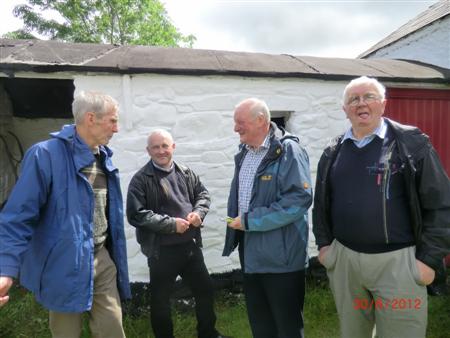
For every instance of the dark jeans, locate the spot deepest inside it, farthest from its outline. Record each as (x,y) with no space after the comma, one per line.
(187,261)
(275,304)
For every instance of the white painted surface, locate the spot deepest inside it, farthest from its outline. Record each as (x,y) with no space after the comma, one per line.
(198,111)
(430,44)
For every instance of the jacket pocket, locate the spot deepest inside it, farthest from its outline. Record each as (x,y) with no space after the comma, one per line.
(66,274)
(275,251)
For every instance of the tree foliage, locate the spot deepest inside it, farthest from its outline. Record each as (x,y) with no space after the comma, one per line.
(19,34)
(134,22)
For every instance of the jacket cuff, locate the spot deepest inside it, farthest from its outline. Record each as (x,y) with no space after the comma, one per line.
(434,263)
(174,226)
(200,213)
(9,271)
(321,245)
(244,221)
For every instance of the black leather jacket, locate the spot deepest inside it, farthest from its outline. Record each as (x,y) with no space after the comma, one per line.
(427,186)
(143,204)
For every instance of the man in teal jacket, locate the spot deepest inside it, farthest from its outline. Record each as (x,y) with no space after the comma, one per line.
(269,200)
(62,227)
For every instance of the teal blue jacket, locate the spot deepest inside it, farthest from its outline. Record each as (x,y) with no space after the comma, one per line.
(46,227)
(275,239)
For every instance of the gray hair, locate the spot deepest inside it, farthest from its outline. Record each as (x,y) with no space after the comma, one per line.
(162,132)
(257,106)
(365,80)
(90,101)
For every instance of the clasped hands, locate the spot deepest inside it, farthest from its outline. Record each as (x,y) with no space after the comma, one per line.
(191,219)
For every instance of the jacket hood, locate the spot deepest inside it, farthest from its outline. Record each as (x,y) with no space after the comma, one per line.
(66,133)
(279,133)
(282,134)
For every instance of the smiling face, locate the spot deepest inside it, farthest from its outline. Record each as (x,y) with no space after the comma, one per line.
(364,107)
(160,147)
(252,128)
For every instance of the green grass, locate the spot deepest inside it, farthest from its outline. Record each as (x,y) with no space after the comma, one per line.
(24,318)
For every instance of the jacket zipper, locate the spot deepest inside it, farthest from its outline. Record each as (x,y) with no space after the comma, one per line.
(386,177)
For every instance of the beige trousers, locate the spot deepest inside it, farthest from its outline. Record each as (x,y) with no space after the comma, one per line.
(105,316)
(377,290)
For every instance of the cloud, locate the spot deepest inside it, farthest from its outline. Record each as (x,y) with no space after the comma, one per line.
(321,28)
(336,28)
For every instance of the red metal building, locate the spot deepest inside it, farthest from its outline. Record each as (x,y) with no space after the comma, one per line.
(428,109)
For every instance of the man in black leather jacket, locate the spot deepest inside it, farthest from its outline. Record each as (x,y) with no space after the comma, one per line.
(167,203)
(381,218)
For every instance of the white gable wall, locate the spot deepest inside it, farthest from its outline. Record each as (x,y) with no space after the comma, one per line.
(198,111)
(430,44)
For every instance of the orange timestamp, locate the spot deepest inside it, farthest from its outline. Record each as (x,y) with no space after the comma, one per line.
(386,304)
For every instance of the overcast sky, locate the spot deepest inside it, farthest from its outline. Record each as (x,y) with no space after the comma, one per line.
(317,28)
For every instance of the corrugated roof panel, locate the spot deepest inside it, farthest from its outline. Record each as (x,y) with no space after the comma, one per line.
(54,56)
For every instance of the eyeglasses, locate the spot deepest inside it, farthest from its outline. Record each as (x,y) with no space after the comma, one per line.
(366,98)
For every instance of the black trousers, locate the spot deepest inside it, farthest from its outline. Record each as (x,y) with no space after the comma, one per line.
(185,260)
(274,301)
(275,304)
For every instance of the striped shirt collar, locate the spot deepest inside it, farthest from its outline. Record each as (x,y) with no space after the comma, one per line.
(380,131)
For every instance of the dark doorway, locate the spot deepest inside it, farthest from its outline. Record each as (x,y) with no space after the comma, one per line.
(40,98)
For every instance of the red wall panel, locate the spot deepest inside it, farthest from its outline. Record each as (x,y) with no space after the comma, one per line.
(428,109)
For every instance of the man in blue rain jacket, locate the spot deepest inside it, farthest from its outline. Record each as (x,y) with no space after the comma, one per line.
(62,228)
(269,200)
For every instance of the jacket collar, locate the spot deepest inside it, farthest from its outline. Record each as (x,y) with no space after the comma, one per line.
(82,154)
(277,136)
(413,139)
(149,169)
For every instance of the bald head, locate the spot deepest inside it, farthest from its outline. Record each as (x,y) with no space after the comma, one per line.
(255,107)
(159,132)
(160,147)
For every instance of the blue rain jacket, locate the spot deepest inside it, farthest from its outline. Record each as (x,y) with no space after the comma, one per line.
(46,227)
(276,225)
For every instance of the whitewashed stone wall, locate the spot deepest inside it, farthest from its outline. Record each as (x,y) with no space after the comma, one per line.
(430,44)
(198,111)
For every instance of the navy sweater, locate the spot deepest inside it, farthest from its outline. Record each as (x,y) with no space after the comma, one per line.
(360,220)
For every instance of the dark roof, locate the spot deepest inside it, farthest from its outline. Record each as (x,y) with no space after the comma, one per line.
(52,56)
(435,12)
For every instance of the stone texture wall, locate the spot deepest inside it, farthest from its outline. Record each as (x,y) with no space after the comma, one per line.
(198,111)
